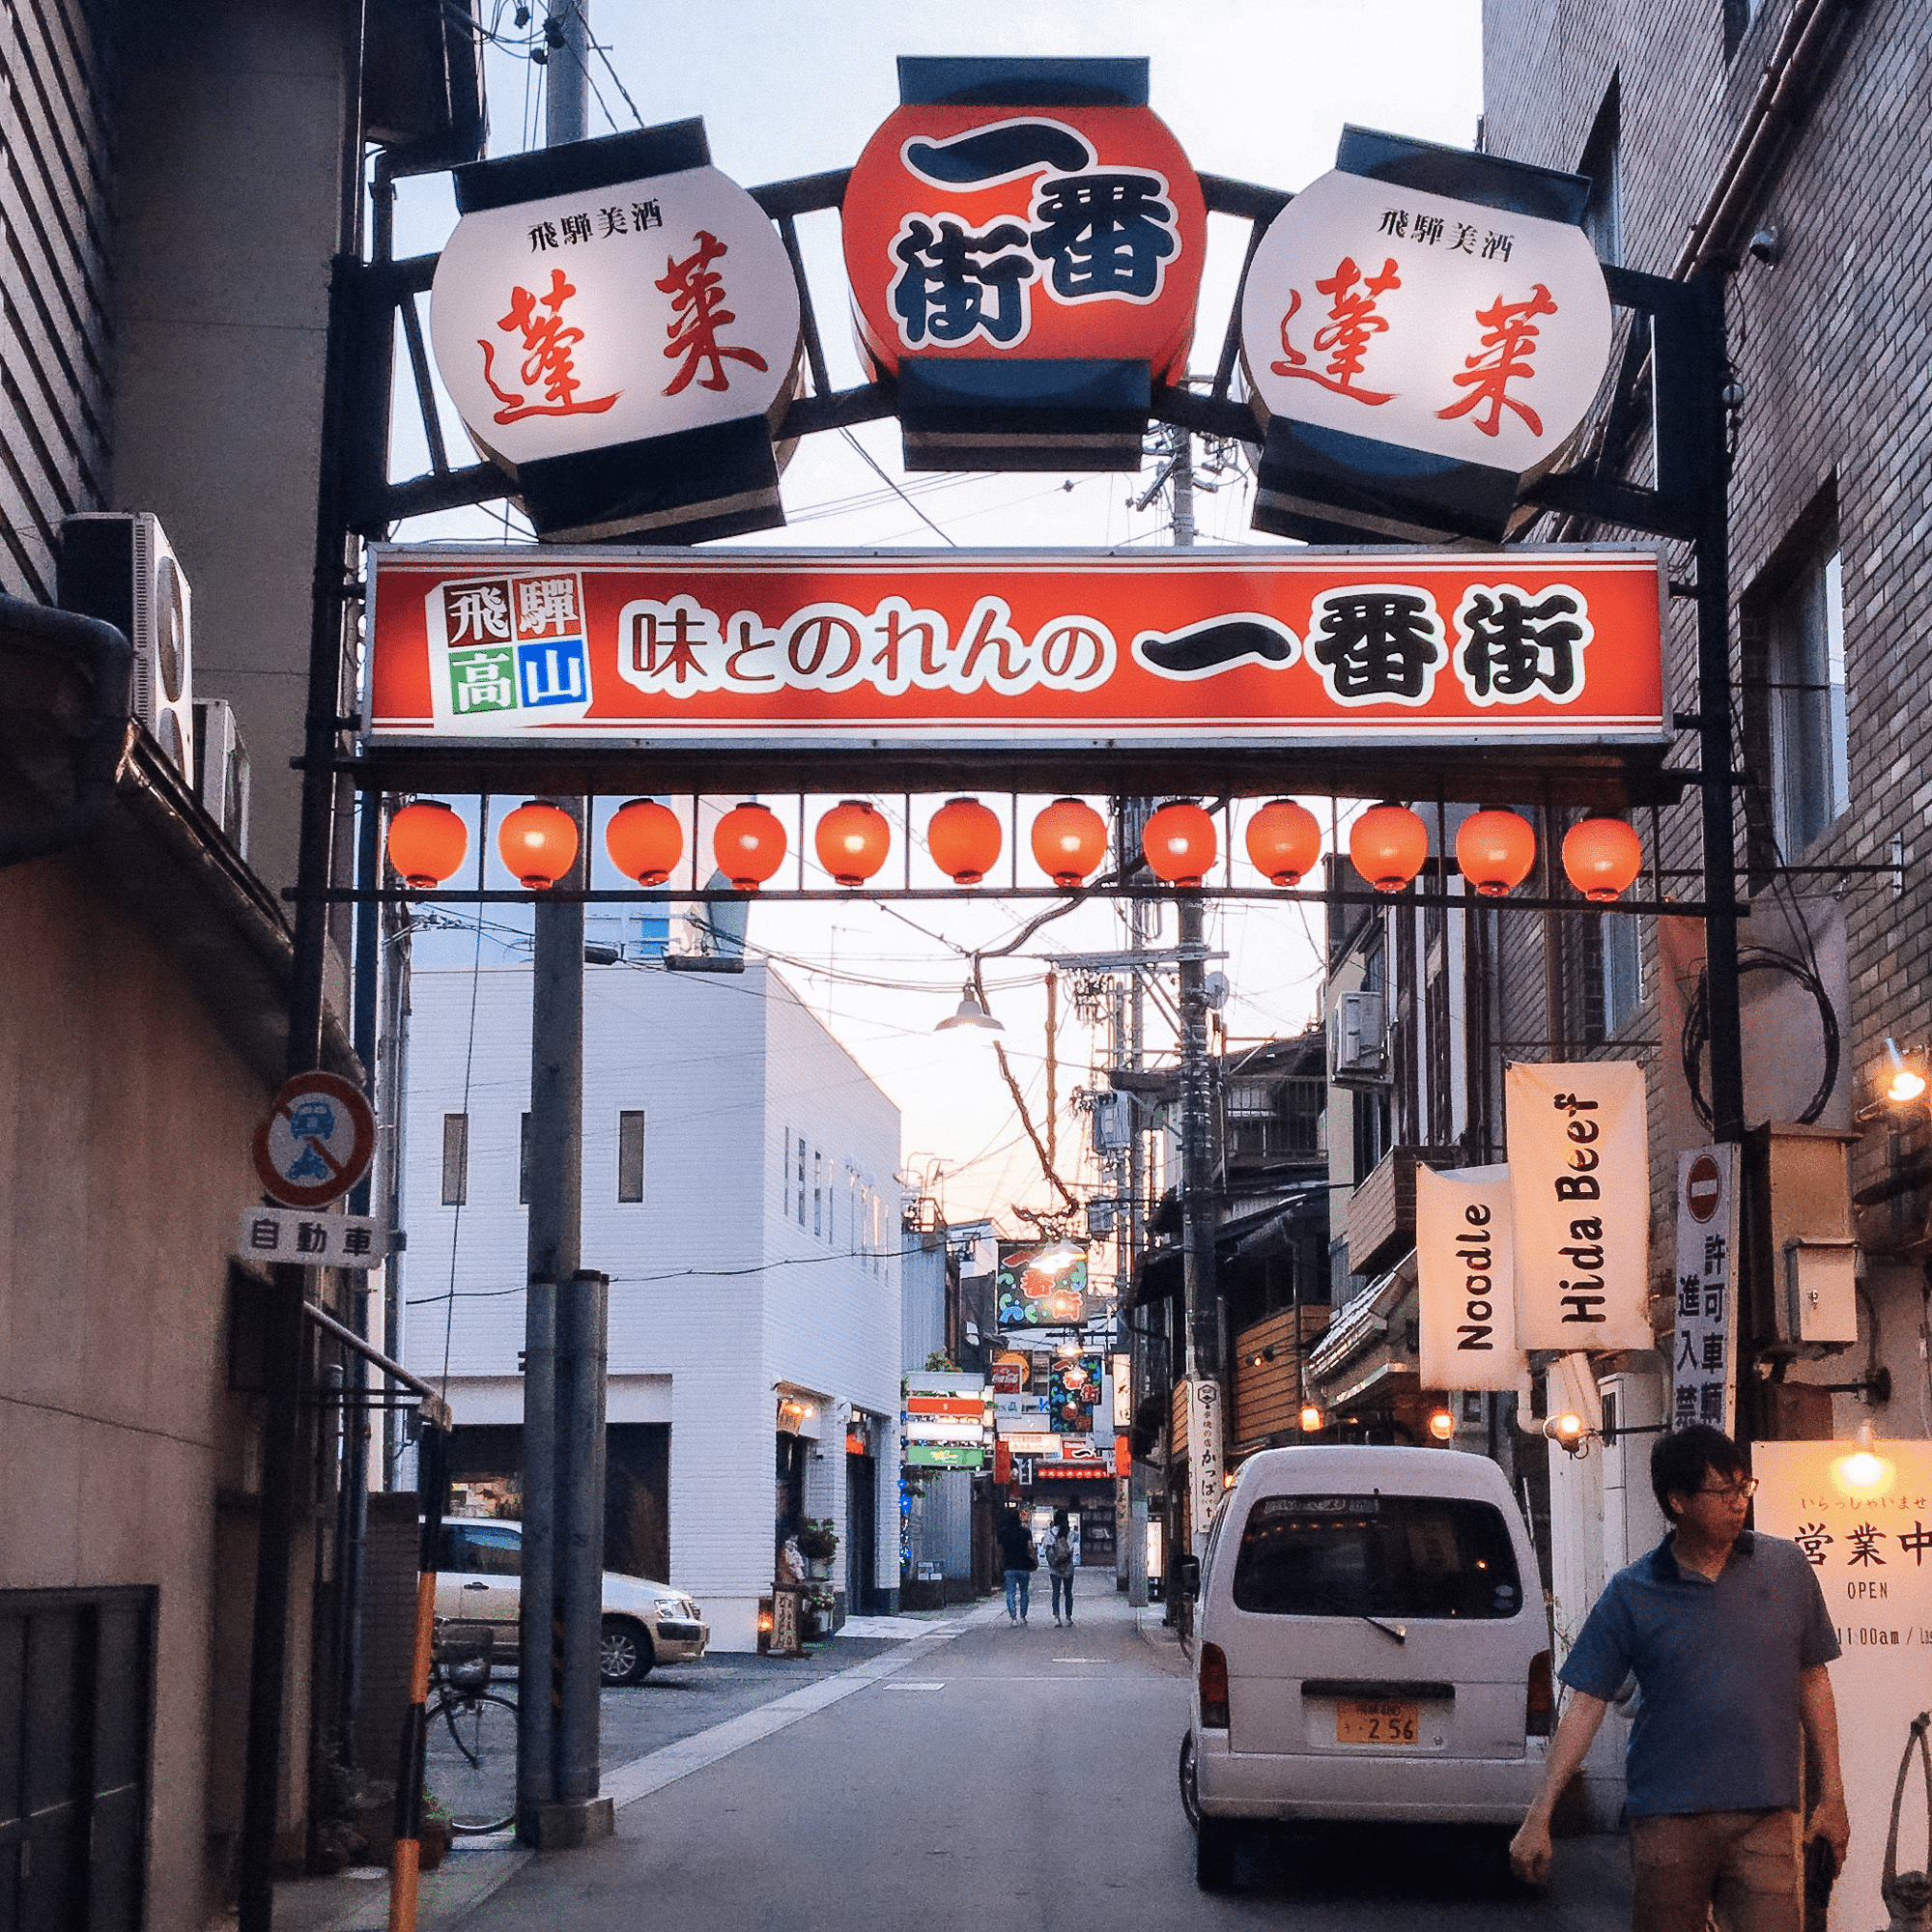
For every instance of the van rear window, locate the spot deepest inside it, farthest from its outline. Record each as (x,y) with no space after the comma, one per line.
(1378,1556)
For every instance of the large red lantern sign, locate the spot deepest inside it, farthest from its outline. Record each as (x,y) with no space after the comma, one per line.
(1023,242)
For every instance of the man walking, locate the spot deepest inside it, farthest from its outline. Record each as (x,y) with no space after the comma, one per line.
(1018,1559)
(1728,1634)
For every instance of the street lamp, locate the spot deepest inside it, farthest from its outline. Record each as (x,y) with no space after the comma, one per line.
(969,1013)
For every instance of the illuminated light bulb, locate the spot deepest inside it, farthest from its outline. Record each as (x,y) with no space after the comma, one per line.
(1441,1425)
(1864,1472)
(1902,1082)
(1311,1418)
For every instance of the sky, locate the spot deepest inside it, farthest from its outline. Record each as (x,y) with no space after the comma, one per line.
(1258,89)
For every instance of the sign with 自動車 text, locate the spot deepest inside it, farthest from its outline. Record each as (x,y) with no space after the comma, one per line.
(307,1239)
(1261,648)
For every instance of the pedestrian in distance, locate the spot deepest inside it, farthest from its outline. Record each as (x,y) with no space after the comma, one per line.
(1728,1634)
(1060,1566)
(1019,1559)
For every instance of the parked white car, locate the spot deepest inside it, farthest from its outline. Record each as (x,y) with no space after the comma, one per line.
(478,1580)
(1372,1644)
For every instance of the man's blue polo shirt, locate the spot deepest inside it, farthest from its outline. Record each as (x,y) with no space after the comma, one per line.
(1718,1663)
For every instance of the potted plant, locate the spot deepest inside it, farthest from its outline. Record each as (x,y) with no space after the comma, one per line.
(818,1544)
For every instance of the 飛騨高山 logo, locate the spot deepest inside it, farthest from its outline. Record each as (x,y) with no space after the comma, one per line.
(512,650)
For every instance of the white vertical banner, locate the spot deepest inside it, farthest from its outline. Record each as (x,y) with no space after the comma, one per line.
(1579,1143)
(1869,1546)
(1203,1459)
(1466,1279)
(1703,1352)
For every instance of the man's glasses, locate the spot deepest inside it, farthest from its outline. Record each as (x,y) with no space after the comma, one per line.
(1731,1491)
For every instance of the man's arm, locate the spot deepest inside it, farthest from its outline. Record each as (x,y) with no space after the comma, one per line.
(1530,1849)
(1818,1712)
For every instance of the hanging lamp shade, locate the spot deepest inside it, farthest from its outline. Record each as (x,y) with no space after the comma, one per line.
(1602,857)
(644,840)
(1284,841)
(538,843)
(1179,843)
(964,838)
(749,846)
(853,841)
(427,841)
(1388,845)
(1495,850)
(1070,840)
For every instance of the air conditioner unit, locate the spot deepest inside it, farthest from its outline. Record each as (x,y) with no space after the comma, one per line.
(1357,1040)
(221,770)
(119,565)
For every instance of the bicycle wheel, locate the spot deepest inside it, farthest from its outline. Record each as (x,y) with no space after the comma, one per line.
(471,1762)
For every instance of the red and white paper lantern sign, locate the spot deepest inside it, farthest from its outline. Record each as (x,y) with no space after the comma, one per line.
(617,323)
(1420,338)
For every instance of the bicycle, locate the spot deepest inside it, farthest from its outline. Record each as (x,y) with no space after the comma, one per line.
(477,1781)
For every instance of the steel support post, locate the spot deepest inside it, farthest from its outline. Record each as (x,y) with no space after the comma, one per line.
(583,1328)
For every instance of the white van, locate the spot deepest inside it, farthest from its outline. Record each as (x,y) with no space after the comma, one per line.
(1371,1643)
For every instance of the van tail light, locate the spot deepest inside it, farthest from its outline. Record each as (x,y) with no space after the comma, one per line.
(1541,1703)
(1213,1687)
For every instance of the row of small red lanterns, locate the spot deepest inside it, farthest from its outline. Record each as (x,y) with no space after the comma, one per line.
(1387,843)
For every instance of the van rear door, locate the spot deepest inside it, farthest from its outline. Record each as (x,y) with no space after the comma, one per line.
(1376,1623)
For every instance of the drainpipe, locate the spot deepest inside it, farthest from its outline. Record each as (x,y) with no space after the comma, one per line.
(109,661)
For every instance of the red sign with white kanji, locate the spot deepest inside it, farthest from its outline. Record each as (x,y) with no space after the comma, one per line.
(996,232)
(1432,324)
(1250,647)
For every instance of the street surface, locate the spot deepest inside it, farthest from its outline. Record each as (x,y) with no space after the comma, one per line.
(996,1779)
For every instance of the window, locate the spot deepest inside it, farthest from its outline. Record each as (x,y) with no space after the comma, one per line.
(817,1193)
(1603,163)
(524,1162)
(1737,16)
(1377,1556)
(1811,777)
(480,1548)
(801,1183)
(1623,971)
(630,1156)
(455,1160)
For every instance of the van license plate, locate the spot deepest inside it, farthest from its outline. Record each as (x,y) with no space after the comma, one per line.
(1374,1720)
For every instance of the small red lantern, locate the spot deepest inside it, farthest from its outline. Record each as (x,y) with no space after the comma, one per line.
(749,846)
(1179,843)
(427,841)
(1284,841)
(644,840)
(1495,850)
(538,842)
(1388,845)
(1070,840)
(1603,856)
(964,840)
(853,841)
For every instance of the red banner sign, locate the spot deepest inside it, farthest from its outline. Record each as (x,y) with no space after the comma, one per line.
(1249,646)
(967,1406)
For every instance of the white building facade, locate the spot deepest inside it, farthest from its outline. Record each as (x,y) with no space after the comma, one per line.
(740,1192)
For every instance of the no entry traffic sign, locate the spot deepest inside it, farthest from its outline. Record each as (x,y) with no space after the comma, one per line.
(316,1145)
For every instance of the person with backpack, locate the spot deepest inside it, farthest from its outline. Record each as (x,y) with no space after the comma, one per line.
(1019,1560)
(1060,1566)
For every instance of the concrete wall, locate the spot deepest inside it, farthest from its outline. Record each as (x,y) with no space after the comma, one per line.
(125,1125)
(716,1290)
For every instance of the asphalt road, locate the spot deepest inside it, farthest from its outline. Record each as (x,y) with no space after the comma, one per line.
(1001,1781)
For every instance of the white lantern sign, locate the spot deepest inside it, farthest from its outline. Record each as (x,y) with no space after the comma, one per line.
(1397,320)
(581,307)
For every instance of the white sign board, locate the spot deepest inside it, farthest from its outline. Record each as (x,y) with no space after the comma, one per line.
(614,315)
(1703,1366)
(306,1239)
(1871,1554)
(1203,1459)
(1437,325)
(1579,1146)
(1466,1279)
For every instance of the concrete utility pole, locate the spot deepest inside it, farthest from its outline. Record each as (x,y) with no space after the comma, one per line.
(567,1318)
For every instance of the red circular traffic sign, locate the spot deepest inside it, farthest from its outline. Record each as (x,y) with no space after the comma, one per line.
(1703,1187)
(314,1145)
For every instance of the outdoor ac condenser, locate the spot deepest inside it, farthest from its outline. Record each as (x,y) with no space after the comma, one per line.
(1357,1046)
(221,770)
(119,565)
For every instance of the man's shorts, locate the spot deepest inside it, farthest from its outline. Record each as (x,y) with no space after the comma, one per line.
(1744,1862)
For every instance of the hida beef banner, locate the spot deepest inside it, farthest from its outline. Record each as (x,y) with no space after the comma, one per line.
(1465,1274)
(1578,1137)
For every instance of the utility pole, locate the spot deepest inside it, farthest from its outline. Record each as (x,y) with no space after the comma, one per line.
(566,1315)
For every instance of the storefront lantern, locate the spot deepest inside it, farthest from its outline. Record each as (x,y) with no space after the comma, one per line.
(1422,330)
(1179,843)
(749,846)
(1024,240)
(617,323)
(1495,851)
(964,840)
(1070,840)
(644,840)
(427,841)
(1388,845)
(1284,841)
(853,840)
(538,843)
(1602,857)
